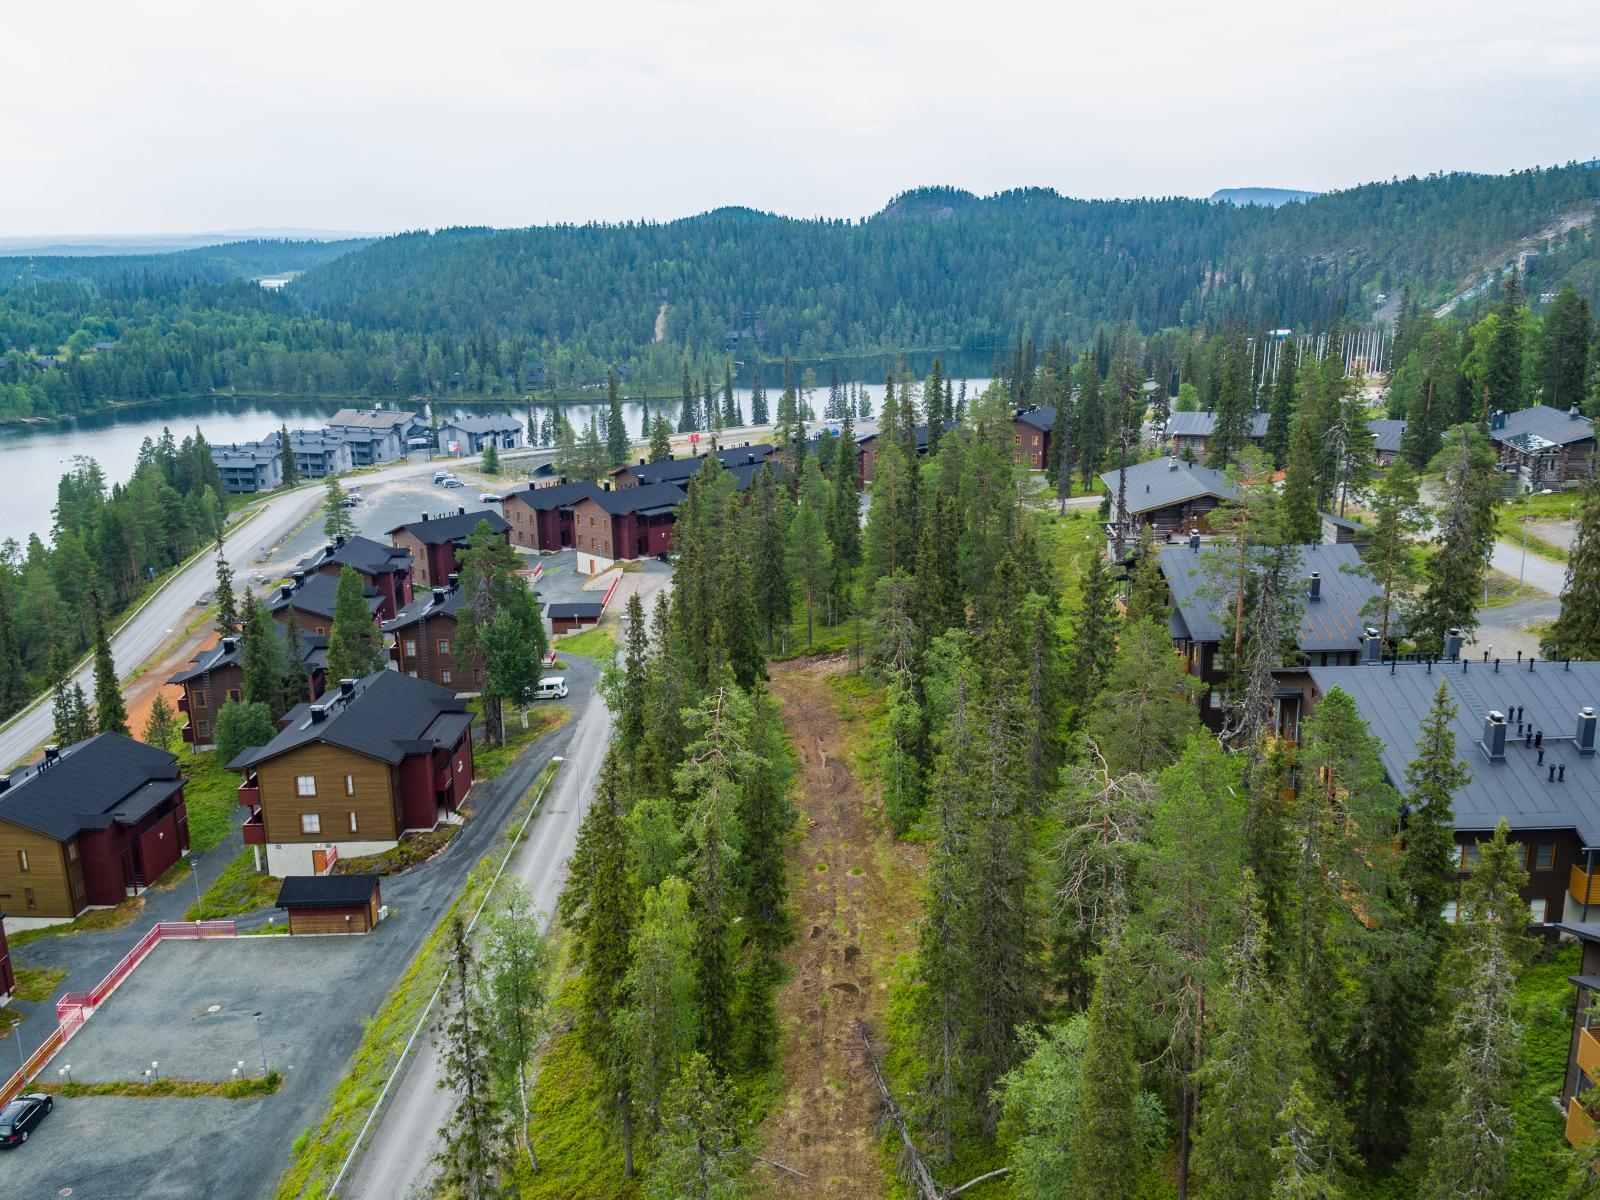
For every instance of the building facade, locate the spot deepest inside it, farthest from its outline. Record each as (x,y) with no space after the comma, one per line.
(1030,435)
(216,675)
(436,541)
(248,467)
(624,525)
(471,435)
(423,640)
(384,569)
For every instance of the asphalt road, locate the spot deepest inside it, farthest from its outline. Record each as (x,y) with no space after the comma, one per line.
(1510,559)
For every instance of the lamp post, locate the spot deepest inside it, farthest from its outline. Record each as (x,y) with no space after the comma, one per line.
(194,873)
(16,1024)
(66,1073)
(262,1038)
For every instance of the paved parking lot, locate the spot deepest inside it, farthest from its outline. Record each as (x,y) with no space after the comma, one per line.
(189,1007)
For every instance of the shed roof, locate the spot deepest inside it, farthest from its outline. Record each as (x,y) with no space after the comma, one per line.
(1159,482)
(1334,622)
(588,610)
(1394,699)
(327,891)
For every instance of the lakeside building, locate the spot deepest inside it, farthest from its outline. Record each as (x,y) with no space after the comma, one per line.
(1031,429)
(424,641)
(248,467)
(376,435)
(470,435)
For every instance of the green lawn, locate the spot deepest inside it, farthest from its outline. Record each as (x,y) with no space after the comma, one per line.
(210,793)
(599,643)
(490,762)
(238,890)
(1554,506)
(37,984)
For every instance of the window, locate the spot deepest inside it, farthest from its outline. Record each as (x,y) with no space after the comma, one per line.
(444,645)
(352,820)
(305,785)
(235,695)
(310,823)
(349,785)
(444,676)
(22,859)
(27,895)
(72,851)
(1543,856)
(1450,909)
(411,648)
(413,674)
(1539,906)
(205,728)
(199,699)
(1469,856)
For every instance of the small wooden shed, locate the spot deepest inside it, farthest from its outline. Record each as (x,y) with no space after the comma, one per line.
(330,903)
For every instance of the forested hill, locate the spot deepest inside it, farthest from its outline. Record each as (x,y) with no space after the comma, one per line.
(939,267)
(230,260)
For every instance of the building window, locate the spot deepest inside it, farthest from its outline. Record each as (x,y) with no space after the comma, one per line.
(411,648)
(305,785)
(1543,856)
(1450,909)
(349,785)
(444,676)
(444,645)
(310,823)
(413,674)
(27,895)
(235,695)
(199,699)
(1539,907)
(1469,856)
(352,820)
(72,851)
(205,728)
(22,859)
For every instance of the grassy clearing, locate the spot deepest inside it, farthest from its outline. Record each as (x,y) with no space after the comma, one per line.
(491,762)
(1510,525)
(318,1152)
(97,920)
(8,1015)
(1505,590)
(238,890)
(38,984)
(414,850)
(162,1089)
(599,643)
(211,796)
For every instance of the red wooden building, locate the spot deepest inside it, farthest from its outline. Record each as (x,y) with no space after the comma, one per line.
(435,542)
(216,676)
(541,517)
(620,526)
(385,569)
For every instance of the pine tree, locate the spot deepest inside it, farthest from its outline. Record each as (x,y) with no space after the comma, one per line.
(1566,337)
(1391,558)
(1108,1140)
(491,458)
(703,1151)
(475,1131)
(660,441)
(1146,710)
(227,602)
(355,646)
(616,429)
(111,714)
(1576,632)
(1465,523)
(810,552)
(660,1025)
(688,419)
(162,726)
(291,472)
(1094,636)
(336,520)
(1148,593)
(1280,415)
(1303,523)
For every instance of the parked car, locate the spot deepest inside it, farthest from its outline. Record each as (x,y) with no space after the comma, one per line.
(453,483)
(488,498)
(19,1118)
(551,687)
(441,476)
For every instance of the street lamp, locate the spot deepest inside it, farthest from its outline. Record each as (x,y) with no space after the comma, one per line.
(66,1073)
(194,873)
(263,1040)
(22,1062)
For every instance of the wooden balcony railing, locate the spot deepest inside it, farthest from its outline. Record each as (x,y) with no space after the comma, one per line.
(1585,888)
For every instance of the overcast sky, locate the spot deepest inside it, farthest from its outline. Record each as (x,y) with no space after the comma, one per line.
(192,115)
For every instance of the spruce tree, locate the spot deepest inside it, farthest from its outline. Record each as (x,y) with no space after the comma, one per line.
(688,418)
(1280,414)
(1390,560)
(616,429)
(261,658)
(810,551)
(1465,523)
(1094,636)
(227,602)
(294,687)
(336,520)
(111,714)
(162,726)
(844,513)
(1107,1141)
(758,397)
(1307,1157)
(1303,523)
(1576,632)
(703,1151)
(1148,593)
(355,646)
(660,440)
(1146,709)
(291,472)
(491,458)
(475,1132)
(660,1025)
(731,417)
(1566,338)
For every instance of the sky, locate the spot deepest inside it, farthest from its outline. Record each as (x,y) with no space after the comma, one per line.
(181,116)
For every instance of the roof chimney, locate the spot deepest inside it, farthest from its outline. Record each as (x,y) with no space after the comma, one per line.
(299,578)
(439,594)
(1373,644)
(1452,645)
(229,645)
(1493,742)
(1314,585)
(319,714)
(1172,463)
(455,578)
(330,548)
(5,782)
(286,590)
(426,517)
(461,512)
(347,688)
(52,752)
(1585,736)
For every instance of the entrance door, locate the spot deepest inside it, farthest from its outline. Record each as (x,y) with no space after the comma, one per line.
(319,861)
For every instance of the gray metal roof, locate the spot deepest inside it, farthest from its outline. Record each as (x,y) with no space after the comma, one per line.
(562,495)
(583,609)
(1386,435)
(452,527)
(497,424)
(636,499)
(370,418)
(1204,424)
(313,653)
(1041,417)
(316,595)
(1331,623)
(88,785)
(1159,482)
(1394,700)
(388,717)
(1549,427)
(425,605)
(365,555)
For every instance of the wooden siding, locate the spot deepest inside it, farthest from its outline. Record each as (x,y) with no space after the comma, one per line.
(332,920)
(46,875)
(375,801)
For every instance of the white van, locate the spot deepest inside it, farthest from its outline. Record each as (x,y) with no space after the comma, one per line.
(551,687)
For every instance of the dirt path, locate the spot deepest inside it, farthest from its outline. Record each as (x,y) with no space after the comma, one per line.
(855,904)
(661,322)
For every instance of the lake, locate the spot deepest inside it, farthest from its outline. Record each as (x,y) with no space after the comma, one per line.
(34,457)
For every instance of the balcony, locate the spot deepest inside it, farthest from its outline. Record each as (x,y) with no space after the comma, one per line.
(1585,888)
(1580,1125)
(188,731)
(183,701)
(250,792)
(255,833)
(1589,1054)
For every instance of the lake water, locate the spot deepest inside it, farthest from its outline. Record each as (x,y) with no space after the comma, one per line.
(34,457)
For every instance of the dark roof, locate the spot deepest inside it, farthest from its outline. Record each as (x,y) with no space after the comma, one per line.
(327,891)
(1584,931)
(363,553)
(483,424)
(1540,428)
(562,495)
(622,501)
(1394,699)
(313,653)
(315,594)
(1163,481)
(678,470)
(1386,435)
(1040,417)
(584,609)
(378,419)
(921,432)
(1332,623)
(1342,523)
(425,605)
(1204,424)
(452,527)
(388,716)
(89,783)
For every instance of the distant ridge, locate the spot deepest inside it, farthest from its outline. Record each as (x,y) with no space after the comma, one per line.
(1267,197)
(101,244)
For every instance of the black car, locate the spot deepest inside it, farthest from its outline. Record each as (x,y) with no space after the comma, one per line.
(18,1119)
